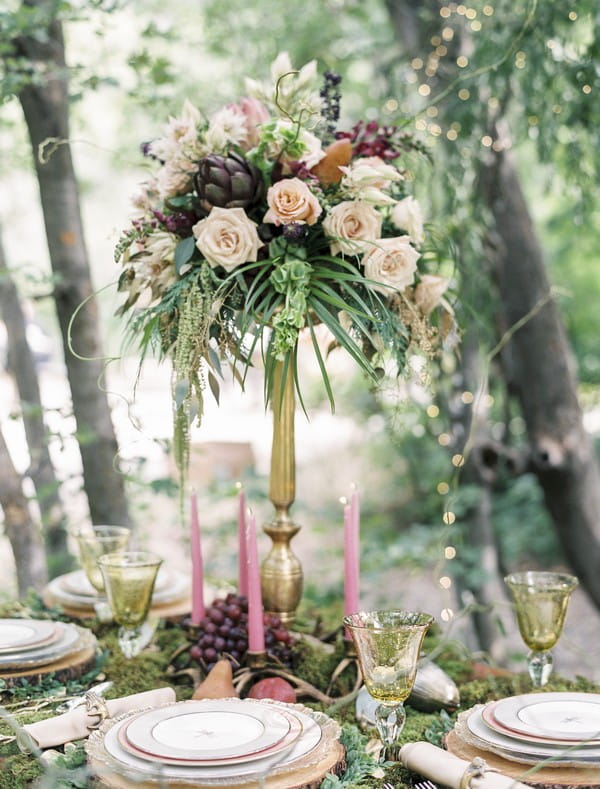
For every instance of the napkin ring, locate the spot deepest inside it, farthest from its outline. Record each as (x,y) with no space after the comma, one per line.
(95,705)
(476,769)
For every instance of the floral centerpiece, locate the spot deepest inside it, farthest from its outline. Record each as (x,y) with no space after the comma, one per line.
(263,221)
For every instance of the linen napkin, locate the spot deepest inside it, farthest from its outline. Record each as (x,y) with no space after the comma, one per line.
(439,765)
(77,724)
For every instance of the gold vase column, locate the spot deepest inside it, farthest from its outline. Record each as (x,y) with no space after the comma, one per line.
(281,571)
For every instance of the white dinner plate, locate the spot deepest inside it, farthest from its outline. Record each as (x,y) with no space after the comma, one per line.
(527,752)
(78,583)
(489,719)
(174,586)
(571,717)
(207,730)
(67,642)
(246,772)
(19,635)
(284,744)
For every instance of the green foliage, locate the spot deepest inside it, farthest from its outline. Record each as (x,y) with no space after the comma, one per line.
(440,727)
(359,764)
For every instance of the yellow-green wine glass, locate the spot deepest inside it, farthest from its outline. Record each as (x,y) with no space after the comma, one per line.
(388,644)
(129,579)
(95,542)
(541,599)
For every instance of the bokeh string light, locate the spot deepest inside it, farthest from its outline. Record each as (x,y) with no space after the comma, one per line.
(424,71)
(440,51)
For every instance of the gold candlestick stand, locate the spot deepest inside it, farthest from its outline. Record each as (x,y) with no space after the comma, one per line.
(281,571)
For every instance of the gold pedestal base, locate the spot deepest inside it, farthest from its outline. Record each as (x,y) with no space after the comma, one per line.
(281,573)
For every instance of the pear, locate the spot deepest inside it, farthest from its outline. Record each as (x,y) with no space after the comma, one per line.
(218,683)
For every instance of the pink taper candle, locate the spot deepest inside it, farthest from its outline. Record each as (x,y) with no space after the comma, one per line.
(351,555)
(256,630)
(242,548)
(197,569)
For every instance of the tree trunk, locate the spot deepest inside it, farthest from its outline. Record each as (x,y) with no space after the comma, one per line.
(537,360)
(485,586)
(21,365)
(23,535)
(46,110)
(540,369)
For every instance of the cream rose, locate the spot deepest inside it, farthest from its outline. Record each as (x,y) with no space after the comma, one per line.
(407,216)
(350,226)
(290,200)
(392,263)
(227,237)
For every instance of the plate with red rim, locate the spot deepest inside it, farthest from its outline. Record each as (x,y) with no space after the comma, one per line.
(487,714)
(530,752)
(284,744)
(561,716)
(301,750)
(208,730)
(68,641)
(21,635)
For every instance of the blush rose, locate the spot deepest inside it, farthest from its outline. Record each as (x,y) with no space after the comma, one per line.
(227,237)
(350,226)
(290,200)
(391,263)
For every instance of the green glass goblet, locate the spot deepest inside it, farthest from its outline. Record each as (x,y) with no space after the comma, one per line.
(129,582)
(95,542)
(541,600)
(388,645)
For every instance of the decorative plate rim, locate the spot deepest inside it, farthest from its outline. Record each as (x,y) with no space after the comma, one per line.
(507,711)
(467,730)
(325,725)
(286,743)
(273,724)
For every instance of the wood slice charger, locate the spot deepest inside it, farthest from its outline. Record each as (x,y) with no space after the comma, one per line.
(545,778)
(328,757)
(71,666)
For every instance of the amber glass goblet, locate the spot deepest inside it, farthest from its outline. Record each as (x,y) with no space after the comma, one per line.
(541,599)
(129,582)
(388,645)
(95,542)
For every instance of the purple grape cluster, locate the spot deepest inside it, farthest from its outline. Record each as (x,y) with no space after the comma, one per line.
(224,631)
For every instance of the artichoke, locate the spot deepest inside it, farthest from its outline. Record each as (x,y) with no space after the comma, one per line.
(228,182)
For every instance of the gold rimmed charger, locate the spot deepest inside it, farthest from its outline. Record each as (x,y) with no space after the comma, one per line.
(316,752)
(472,729)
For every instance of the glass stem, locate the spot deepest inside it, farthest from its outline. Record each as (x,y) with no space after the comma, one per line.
(390,722)
(133,639)
(540,667)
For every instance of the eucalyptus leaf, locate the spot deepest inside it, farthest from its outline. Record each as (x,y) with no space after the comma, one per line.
(183,253)
(214,386)
(180,392)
